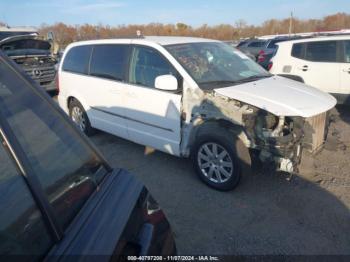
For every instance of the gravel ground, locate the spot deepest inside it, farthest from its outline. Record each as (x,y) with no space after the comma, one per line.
(266,214)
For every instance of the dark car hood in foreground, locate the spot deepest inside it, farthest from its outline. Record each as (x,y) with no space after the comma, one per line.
(119,214)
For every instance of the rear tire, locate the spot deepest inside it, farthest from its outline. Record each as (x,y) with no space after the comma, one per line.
(220,158)
(80,118)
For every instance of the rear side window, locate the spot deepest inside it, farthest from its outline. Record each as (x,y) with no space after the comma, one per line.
(22,229)
(323,51)
(272,44)
(241,43)
(256,44)
(64,165)
(77,59)
(297,50)
(109,61)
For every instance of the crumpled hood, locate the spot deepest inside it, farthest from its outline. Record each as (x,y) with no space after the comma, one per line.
(281,96)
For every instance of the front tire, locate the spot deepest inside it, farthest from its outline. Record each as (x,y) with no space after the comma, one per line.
(220,160)
(80,118)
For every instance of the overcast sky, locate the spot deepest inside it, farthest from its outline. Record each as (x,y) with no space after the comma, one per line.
(193,12)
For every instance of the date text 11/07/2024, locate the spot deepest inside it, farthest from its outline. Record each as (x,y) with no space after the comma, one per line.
(173,258)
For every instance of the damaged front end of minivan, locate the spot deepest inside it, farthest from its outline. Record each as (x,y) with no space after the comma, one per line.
(277,141)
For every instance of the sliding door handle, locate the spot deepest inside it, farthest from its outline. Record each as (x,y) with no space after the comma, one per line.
(304,68)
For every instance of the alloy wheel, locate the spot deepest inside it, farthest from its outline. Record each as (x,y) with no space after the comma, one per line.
(215,162)
(78,118)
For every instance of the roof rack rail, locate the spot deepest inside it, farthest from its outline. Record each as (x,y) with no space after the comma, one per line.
(137,36)
(125,37)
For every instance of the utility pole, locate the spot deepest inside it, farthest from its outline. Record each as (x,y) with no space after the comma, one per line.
(290,23)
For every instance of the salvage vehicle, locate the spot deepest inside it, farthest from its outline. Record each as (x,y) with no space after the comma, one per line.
(322,62)
(59,198)
(32,53)
(192,97)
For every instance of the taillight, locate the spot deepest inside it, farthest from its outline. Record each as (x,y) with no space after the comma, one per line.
(261,57)
(57,82)
(269,66)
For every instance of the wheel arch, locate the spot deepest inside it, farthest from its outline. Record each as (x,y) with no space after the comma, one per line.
(210,126)
(229,136)
(85,105)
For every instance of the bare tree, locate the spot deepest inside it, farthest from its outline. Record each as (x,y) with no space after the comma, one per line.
(66,34)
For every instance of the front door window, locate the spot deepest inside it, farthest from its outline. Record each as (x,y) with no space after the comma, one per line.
(146,65)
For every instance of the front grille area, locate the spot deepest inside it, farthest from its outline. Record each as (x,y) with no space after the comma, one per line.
(41,75)
(315,132)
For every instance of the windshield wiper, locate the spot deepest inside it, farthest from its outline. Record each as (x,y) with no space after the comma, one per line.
(225,83)
(219,82)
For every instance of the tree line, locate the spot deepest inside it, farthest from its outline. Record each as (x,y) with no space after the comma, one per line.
(66,34)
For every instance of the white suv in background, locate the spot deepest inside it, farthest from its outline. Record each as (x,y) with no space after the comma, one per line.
(192,97)
(321,62)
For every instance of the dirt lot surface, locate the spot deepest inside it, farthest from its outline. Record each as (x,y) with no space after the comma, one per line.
(266,214)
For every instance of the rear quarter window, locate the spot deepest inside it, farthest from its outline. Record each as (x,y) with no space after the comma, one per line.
(77,60)
(297,50)
(241,44)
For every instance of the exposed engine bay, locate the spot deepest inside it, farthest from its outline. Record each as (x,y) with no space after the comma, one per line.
(277,140)
(34,56)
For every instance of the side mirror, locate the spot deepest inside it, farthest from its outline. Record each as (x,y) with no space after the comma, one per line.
(166,82)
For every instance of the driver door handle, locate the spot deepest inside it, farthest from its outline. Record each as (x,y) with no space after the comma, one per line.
(346,70)
(304,68)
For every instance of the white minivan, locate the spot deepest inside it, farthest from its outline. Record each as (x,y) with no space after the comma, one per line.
(321,62)
(192,97)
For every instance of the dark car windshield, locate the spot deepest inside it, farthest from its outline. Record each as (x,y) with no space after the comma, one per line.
(215,64)
(65,166)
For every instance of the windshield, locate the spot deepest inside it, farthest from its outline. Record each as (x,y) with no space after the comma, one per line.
(65,166)
(216,64)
